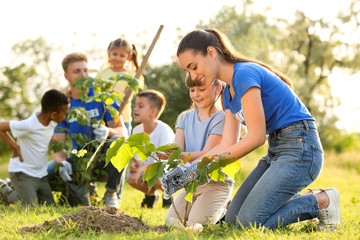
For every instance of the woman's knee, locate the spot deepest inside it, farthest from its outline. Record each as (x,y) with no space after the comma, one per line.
(248,217)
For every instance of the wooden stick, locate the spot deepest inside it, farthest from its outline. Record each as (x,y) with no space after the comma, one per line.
(129,93)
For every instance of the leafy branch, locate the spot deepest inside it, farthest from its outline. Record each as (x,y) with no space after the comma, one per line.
(103,94)
(214,167)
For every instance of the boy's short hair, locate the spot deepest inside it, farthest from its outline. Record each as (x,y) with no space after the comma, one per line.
(156,98)
(53,100)
(72,57)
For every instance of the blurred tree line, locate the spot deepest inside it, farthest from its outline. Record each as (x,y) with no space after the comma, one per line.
(307,50)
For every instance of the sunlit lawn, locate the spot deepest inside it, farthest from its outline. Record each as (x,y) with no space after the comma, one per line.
(340,171)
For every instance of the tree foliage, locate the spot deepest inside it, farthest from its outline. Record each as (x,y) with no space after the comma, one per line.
(14,98)
(306,50)
(169,79)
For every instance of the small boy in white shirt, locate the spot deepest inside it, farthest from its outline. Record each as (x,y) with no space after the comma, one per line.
(28,165)
(148,107)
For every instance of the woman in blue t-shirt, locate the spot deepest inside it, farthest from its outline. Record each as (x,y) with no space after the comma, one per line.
(264,100)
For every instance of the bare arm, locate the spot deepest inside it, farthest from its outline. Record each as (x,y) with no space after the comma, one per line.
(4,129)
(256,126)
(62,155)
(212,141)
(180,138)
(117,128)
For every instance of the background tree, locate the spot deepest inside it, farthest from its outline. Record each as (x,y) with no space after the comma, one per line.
(169,79)
(306,50)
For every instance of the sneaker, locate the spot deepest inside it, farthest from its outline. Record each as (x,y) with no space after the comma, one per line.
(110,199)
(329,217)
(2,183)
(166,203)
(8,182)
(150,200)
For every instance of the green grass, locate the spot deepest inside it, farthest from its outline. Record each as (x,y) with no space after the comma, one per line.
(341,171)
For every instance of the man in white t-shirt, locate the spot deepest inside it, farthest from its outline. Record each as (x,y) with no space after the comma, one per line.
(148,107)
(28,165)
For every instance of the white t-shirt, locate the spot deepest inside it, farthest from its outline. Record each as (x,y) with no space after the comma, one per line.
(161,135)
(33,139)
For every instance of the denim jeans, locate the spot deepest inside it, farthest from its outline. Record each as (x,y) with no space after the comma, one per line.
(269,195)
(113,178)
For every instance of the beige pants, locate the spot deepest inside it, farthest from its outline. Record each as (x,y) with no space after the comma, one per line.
(208,204)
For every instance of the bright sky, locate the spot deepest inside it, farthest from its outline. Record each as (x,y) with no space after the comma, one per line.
(98,22)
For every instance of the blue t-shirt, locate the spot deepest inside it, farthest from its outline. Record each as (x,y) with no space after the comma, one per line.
(196,132)
(94,109)
(281,105)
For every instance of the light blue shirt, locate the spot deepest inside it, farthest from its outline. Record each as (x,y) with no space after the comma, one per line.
(196,132)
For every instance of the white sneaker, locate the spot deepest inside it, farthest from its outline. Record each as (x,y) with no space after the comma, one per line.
(110,199)
(329,217)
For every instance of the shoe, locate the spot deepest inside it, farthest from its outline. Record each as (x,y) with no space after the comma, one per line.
(329,217)
(166,203)
(2,183)
(150,200)
(8,182)
(110,199)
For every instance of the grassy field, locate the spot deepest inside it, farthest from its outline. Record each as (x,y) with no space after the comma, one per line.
(340,171)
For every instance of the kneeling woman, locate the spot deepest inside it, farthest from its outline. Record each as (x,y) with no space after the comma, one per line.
(263,98)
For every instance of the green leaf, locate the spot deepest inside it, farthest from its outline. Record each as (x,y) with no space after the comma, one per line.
(97,90)
(114,147)
(123,77)
(113,112)
(81,139)
(58,146)
(141,154)
(215,172)
(140,143)
(230,166)
(153,172)
(90,99)
(138,139)
(173,160)
(190,189)
(203,177)
(119,97)
(165,148)
(122,157)
(204,162)
(175,154)
(61,129)
(86,175)
(109,101)
(80,115)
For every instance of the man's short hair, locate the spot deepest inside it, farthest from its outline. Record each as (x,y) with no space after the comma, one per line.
(53,100)
(156,98)
(73,57)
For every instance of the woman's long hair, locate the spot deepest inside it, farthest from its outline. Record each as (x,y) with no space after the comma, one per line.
(199,40)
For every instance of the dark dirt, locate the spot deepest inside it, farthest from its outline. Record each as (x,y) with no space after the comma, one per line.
(107,219)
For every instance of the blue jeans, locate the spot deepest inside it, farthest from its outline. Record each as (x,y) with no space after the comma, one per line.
(113,178)
(269,194)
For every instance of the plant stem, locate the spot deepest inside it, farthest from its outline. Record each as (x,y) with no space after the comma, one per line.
(186,214)
(172,200)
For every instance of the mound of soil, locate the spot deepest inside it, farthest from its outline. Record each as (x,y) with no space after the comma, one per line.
(107,219)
